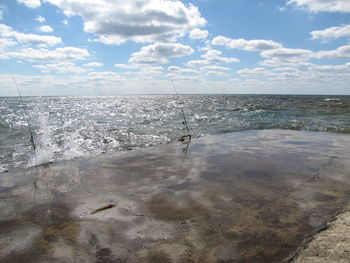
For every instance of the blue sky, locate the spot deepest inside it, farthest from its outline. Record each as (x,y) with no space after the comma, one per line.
(99,47)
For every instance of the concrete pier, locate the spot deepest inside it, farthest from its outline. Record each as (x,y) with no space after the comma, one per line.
(253,196)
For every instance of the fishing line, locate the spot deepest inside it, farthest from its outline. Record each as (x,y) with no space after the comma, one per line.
(183,138)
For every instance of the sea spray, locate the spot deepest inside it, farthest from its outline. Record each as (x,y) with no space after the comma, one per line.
(46,147)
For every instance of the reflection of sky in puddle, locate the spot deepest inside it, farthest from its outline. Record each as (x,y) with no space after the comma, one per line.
(254,193)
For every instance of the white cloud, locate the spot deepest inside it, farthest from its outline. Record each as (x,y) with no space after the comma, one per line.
(268,75)
(150,72)
(209,65)
(198,34)
(50,84)
(197,63)
(217,73)
(307,73)
(342,6)
(186,78)
(252,71)
(151,68)
(126,66)
(343,68)
(46,29)
(93,64)
(284,69)
(5,42)
(60,67)
(214,57)
(215,68)
(278,56)
(38,40)
(211,58)
(181,70)
(28,39)
(158,53)
(332,32)
(104,77)
(115,22)
(65,22)
(30,3)
(40,19)
(38,55)
(284,62)
(281,8)
(340,52)
(283,57)
(248,45)
(287,53)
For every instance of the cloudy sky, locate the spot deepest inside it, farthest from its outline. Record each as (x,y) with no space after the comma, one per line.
(97,47)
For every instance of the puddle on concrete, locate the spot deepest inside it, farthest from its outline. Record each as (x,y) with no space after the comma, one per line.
(241,197)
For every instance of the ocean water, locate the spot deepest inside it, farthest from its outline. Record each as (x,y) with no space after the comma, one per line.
(65,128)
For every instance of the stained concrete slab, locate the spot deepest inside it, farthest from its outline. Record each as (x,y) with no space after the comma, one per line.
(252,196)
(330,245)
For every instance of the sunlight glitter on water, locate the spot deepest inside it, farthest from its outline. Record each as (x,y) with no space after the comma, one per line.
(69,127)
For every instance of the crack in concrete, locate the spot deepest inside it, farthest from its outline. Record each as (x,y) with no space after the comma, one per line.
(316,176)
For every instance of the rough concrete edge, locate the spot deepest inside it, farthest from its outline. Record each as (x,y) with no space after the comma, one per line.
(309,238)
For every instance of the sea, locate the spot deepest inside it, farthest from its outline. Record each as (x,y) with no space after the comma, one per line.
(68,127)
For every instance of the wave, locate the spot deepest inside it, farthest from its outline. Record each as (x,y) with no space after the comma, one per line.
(332,99)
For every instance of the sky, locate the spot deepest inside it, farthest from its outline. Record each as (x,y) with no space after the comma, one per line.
(106,47)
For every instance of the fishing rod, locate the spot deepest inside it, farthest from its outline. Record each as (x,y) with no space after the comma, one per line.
(188,136)
(30,131)
(25,116)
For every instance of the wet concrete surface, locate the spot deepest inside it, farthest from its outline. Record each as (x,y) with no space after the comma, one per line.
(243,197)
